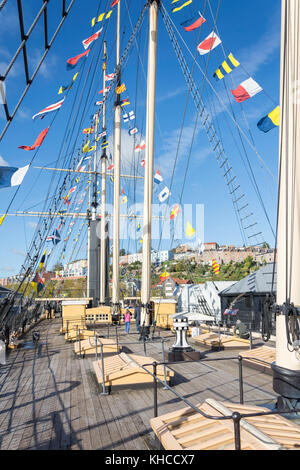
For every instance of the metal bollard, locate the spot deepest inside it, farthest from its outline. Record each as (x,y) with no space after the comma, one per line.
(155,389)
(237,430)
(241,380)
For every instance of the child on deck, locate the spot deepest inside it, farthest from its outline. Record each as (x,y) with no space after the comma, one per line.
(127,319)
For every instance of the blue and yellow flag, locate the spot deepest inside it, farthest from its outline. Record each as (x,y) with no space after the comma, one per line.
(270,121)
(226,67)
(185,4)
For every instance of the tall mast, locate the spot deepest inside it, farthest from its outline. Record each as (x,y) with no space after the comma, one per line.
(117,164)
(103,259)
(286,370)
(148,183)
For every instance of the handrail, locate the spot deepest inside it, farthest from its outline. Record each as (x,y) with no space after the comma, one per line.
(236,416)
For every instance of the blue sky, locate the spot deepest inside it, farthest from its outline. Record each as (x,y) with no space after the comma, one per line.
(251,33)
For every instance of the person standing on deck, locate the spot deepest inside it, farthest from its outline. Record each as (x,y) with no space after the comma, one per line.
(137,316)
(127,317)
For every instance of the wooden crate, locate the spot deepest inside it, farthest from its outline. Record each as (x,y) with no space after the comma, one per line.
(264,353)
(125,369)
(88,346)
(224,342)
(73,315)
(186,429)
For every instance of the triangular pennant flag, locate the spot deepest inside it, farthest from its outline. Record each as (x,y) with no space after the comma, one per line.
(190,232)
(38,141)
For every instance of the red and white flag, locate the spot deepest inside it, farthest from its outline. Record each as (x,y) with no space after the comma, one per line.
(52,107)
(140,147)
(110,76)
(87,42)
(115,2)
(210,43)
(246,90)
(143,163)
(104,90)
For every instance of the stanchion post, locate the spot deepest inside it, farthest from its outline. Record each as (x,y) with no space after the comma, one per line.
(163,358)
(155,389)
(241,380)
(96,344)
(104,392)
(237,430)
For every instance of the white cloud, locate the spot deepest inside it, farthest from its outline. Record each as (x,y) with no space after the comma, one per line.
(3,162)
(32,224)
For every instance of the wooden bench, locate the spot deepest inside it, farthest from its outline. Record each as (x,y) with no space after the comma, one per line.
(254,357)
(224,342)
(88,346)
(186,429)
(125,370)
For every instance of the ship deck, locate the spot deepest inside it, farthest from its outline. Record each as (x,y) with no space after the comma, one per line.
(49,398)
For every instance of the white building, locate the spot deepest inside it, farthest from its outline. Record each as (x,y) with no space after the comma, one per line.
(74,269)
(203,298)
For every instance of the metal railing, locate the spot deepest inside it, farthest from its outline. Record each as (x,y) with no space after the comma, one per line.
(236,417)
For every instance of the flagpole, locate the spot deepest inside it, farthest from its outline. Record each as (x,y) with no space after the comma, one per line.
(117,164)
(103,260)
(148,180)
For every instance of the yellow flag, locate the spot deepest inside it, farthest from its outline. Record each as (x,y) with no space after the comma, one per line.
(190,232)
(2,219)
(86,147)
(120,89)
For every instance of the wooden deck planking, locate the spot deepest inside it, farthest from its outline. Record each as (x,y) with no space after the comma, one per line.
(50,399)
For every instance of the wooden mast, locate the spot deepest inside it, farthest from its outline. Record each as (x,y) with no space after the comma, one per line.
(148,181)
(287,367)
(103,259)
(117,164)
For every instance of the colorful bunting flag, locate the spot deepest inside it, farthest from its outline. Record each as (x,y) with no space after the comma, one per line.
(73,61)
(246,90)
(103,16)
(52,107)
(182,6)
(175,212)
(38,141)
(216,266)
(193,23)
(110,76)
(105,90)
(270,121)
(140,147)
(164,276)
(43,259)
(37,284)
(158,178)
(164,194)
(67,87)
(120,89)
(190,232)
(125,102)
(115,2)
(2,219)
(225,68)
(209,44)
(87,42)
(133,131)
(12,176)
